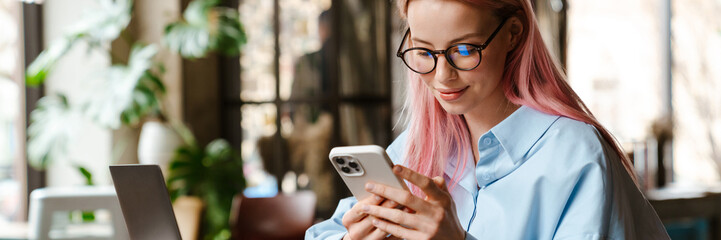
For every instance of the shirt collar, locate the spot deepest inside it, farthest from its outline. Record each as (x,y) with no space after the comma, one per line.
(516,135)
(521,130)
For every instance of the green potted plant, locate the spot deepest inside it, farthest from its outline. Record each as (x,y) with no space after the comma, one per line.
(213,173)
(129,94)
(124,94)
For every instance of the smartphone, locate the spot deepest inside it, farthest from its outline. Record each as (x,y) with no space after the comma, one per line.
(359,164)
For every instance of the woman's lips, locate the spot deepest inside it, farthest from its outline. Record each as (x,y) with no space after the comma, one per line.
(451,94)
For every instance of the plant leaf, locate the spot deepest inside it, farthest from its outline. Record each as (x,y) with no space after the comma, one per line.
(53,125)
(231,36)
(206,27)
(188,40)
(41,66)
(114,99)
(197,11)
(104,24)
(153,82)
(97,27)
(86,174)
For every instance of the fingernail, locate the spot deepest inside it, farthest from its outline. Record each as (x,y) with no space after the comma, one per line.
(397,169)
(376,222)
(378,198)
(366,208)
(369,186)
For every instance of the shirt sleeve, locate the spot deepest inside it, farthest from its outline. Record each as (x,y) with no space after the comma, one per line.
(395,150)
(333,227)
(586,213)
(606,204)
(588,202)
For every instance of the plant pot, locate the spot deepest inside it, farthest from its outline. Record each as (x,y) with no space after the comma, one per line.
(188,212)
(157,144)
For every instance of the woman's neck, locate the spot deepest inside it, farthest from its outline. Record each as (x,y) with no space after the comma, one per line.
(485,117)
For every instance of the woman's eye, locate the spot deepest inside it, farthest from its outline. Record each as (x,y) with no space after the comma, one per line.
(463,50)
(423,54)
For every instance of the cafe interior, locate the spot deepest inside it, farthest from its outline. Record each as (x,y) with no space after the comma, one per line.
(239,102)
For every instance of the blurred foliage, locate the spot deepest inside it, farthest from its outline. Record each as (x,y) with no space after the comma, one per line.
(54,121)
(39,68)
(99,26)
(125,95)
(214,174)
(104,24)
(52,127)
(129,91)
(86,216)
(204,28)
(86,175)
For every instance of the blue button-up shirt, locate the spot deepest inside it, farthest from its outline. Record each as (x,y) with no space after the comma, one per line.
(538,176)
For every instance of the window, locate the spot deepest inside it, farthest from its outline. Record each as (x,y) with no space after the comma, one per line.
(11,113)
(639,63)
(696,51)
(314,74)
(616,65)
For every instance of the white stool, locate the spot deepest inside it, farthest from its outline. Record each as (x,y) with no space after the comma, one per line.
(45,202)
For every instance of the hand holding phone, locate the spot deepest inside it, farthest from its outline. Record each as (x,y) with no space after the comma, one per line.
(359,224)
(359,164)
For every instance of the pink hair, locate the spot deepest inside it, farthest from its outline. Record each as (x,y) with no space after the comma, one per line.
(531,77)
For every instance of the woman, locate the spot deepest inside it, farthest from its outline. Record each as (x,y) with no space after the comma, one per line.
(498,145)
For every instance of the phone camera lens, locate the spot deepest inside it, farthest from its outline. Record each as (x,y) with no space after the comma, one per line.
(353,164)
(345,169)
(340,160)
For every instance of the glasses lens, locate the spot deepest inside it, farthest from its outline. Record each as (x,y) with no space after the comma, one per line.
(464,56)
(419,60)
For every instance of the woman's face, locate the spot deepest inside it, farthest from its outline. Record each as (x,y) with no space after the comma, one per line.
(438,24)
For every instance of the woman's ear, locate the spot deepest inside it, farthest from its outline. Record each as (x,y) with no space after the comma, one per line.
(515,27)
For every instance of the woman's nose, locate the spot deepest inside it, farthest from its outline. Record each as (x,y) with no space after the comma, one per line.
(444,70)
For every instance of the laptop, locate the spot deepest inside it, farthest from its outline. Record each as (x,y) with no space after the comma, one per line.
(144,201)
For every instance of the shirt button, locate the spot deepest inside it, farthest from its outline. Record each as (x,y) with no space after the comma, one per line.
(487,141)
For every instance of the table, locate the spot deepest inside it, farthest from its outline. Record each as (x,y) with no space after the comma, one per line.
(677,203)
(13,230)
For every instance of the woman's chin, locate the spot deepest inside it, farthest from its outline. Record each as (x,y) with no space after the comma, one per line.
(454,108)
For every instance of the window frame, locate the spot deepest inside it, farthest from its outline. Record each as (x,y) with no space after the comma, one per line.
(32,45)
(230,73)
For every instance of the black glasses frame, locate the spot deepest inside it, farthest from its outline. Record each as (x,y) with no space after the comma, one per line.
(435,53)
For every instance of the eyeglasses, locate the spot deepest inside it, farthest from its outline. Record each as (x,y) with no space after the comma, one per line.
(462,56)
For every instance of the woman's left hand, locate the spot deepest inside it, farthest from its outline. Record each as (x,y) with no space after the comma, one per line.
(431,218)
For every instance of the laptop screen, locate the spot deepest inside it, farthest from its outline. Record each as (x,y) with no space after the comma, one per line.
(144,201)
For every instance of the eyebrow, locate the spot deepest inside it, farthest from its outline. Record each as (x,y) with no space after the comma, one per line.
(458,39)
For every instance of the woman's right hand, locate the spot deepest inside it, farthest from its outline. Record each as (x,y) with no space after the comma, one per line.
(360,225)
